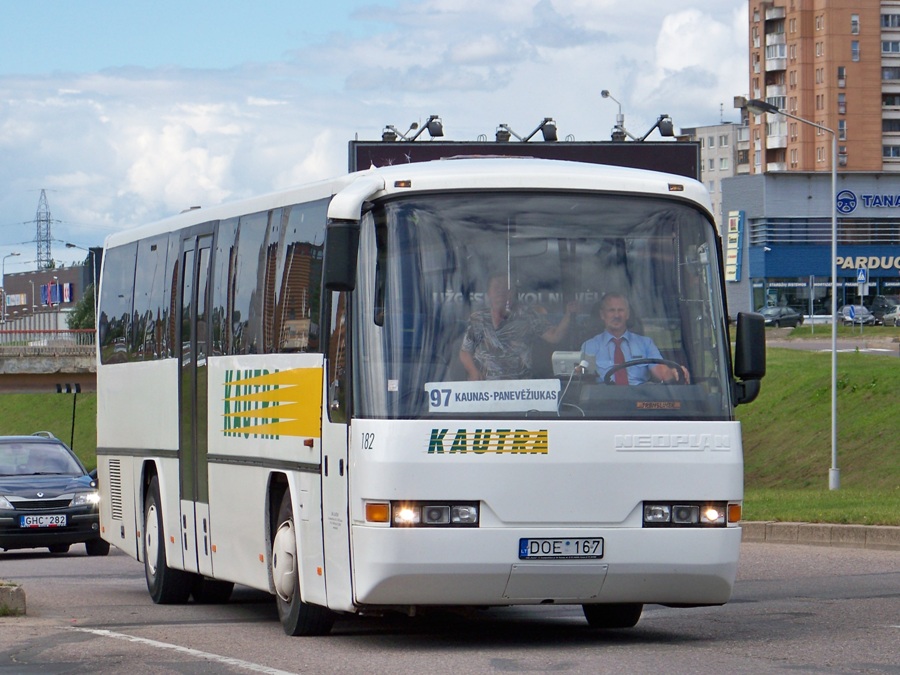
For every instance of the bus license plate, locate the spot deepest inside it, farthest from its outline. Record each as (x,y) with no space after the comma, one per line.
(43,521)
(561,549)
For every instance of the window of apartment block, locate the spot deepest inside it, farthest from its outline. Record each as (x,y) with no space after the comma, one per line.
(890,126)
(842,130)
(723,141)
(841,75)
(890,73)
(793,156)
(842,104)
(792,26)
(819,76)
(890,151)
(854,24)
(820,49)
(723,163)
(712,165)
(712,141)
(890,20)
(890,100)
(820,154)
(890,46)
(854,50)
(820,22)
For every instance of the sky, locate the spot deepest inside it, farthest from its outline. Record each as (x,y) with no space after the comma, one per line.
(126,113)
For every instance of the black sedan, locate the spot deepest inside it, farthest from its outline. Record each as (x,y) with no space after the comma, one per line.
(781,316)
(47,497)
(856,315)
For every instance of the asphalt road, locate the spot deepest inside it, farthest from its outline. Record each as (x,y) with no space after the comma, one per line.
(795,608)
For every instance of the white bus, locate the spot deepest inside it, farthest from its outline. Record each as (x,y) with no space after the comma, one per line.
(282,403)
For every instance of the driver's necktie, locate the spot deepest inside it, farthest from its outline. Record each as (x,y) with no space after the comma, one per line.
(620,376)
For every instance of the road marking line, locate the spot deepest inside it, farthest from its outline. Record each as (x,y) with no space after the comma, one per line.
(237,663)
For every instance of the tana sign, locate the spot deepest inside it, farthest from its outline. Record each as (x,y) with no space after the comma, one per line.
(848,201)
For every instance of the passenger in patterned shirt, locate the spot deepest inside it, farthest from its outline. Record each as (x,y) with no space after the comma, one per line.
(498,342)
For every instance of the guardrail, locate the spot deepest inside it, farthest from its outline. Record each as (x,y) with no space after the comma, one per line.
(47,342)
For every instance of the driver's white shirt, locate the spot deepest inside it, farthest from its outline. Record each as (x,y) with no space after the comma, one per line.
(601,348)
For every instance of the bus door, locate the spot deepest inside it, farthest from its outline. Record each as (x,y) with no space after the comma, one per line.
(194,350)
(335,504)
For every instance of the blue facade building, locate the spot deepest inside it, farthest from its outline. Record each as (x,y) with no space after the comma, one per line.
(777,238)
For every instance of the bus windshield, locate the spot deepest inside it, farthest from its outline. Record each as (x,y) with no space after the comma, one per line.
(524,286)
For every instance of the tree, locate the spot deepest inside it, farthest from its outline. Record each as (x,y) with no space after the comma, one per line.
(82,315)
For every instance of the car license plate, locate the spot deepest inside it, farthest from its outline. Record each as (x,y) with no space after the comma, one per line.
(43,521)
(561,549)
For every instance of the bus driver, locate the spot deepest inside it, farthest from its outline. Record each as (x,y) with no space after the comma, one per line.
(617,345)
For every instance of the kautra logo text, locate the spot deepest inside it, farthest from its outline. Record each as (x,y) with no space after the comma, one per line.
(480,441)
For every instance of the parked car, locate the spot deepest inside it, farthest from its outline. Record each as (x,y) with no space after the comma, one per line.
(881,305)
(781,316)
(860,315)
(47,497)
(892,318)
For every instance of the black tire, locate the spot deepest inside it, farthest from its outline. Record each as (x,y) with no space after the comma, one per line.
(208,591)
(97,547)
(297,617)
(618,615)
(777,324)
(58,548)
(166,585)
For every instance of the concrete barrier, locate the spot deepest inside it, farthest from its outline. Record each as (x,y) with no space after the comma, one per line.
(12,599)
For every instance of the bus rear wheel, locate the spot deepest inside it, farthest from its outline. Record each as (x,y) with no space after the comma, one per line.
(618,615)
(297,617)
(166,585)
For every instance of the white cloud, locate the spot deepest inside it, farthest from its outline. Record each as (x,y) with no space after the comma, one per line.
(127,144)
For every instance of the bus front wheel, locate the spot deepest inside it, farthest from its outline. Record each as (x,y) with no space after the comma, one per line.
(297,617)
(166,585)
(618,615)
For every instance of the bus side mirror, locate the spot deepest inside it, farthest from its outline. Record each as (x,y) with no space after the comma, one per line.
(341,249)
(749,356)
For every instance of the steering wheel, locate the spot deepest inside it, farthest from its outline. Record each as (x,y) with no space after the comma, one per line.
(610,374)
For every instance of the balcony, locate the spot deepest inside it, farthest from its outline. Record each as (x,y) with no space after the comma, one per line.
(774,13)
(776,141)
(776,166)
(773,65)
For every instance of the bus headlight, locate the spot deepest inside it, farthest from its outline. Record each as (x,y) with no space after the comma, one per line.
(433,514)
(685,514)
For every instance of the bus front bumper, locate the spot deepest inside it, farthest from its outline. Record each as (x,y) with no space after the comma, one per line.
(421,566)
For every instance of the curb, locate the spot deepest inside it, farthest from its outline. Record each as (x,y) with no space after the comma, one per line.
(886,538)
(12,599)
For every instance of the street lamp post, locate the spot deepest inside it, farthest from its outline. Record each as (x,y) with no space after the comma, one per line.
(3,283)
(759,107)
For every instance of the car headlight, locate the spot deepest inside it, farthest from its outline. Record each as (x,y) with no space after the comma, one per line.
(4,503)
(86,498)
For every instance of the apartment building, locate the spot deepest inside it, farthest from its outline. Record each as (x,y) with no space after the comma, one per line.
(724,152)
